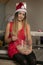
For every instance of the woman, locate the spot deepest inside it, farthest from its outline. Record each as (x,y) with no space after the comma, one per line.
(18,36)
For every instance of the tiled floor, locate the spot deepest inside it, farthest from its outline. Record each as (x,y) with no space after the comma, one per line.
(7,62)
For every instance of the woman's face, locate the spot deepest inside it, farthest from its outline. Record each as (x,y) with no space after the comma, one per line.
(21,15)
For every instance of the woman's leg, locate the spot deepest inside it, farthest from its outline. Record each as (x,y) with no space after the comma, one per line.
(31,58)
(19,58)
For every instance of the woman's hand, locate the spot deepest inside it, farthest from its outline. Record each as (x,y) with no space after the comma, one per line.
(27,52)
(24,50)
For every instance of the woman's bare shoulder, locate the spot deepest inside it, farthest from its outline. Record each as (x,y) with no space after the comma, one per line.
(8,24)
(28,25)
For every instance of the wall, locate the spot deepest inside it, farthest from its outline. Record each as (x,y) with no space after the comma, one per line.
(2,16)
(34,12)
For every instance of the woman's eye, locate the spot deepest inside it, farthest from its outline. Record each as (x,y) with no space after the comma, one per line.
(22,14)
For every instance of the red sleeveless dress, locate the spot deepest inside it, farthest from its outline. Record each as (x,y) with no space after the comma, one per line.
(12,45)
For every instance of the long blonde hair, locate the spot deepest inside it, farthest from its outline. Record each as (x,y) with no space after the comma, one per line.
(15,25)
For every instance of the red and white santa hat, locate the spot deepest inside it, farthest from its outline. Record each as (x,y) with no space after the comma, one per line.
(20,7)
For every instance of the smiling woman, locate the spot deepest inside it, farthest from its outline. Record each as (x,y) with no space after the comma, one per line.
(18,37)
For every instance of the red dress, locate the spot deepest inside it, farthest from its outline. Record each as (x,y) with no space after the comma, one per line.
(12,45)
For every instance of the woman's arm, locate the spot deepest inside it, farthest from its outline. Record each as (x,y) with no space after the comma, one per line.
(7,32)
(7,40)
(29,38)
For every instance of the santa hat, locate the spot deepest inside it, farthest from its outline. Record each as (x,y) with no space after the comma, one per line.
(20,7)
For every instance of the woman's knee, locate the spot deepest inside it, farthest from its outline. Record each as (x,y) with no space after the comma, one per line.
(25,62)
(33,62)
